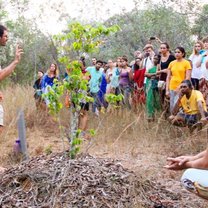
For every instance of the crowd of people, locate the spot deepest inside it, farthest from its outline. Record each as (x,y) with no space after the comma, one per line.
(160,80)
(156,78)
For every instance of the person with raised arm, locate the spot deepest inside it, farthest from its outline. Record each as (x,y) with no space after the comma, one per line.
(5,72)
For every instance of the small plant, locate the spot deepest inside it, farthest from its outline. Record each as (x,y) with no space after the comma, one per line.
(114,99)
(84,39)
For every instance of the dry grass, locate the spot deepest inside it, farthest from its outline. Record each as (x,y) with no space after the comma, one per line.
(120,134)
(41,129)
(124,135)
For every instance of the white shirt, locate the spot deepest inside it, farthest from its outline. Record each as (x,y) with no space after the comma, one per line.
(204,70)
(147,64)
(196,71)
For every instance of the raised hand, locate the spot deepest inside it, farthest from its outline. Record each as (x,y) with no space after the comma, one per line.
(18,54)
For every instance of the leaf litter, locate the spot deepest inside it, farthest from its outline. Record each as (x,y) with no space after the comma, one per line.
(87,182)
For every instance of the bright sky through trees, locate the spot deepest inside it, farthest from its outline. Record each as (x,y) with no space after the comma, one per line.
(85,10)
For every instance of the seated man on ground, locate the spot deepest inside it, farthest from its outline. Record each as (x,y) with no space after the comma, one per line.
(195,178)
(190,107)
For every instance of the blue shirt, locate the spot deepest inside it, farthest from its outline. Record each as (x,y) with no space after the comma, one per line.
(47,81)
(95,81)
(103,84)
(115,78)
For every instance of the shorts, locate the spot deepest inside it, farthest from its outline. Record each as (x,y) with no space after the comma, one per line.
(1,116)
(189,119)
(85,106)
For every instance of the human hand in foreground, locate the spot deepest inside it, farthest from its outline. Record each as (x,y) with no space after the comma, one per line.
(18,54)
(178,163)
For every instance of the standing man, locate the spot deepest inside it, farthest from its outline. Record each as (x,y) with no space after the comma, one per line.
(94,84)
(94,60)
(7,70)
(148,57)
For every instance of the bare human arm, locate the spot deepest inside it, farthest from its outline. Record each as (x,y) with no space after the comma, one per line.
(199,62)
(149,75)
(168,82)
(206,64)
(9,69)
(177,105)
(188,74)
(1,96)
(199,161)
(201,109)
(130,73)
(108,75)
(162,71)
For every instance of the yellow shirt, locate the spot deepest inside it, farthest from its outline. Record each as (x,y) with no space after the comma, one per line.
(178,72)
(190,105)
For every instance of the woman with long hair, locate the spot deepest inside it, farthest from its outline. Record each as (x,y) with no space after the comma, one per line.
(152,93)
(111,76)
(165,59)
(48,79)
(203,82)
(196,70)
(125,78)
(138,78)
(37,88)
(178,70)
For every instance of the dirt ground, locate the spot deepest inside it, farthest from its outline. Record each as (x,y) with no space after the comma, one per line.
(134,144)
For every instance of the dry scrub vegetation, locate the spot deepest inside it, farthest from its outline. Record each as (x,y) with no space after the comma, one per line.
(140,146)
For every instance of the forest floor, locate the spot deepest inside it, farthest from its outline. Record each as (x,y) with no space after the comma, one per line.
(125,136)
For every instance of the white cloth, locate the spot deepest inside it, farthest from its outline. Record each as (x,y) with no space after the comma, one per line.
(147,64)
(196,71)
(114,79)
(196,175)
(1,116)
(204,70)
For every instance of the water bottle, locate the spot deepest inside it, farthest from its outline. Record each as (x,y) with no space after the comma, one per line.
(17,146)
(117,72)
